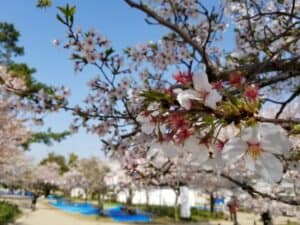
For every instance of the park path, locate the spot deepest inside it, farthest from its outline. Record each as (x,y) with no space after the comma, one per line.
(47,215)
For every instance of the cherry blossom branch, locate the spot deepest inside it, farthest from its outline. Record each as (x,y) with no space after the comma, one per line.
(289,67)
(277,121)
(253,192)
(90,115)
(274,13)
(142,7)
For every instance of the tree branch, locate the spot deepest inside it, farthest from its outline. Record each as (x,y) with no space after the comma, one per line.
(285,103)
(253,192)
(277,121)
(142,7)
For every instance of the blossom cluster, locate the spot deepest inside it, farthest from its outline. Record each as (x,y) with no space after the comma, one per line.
(215,114)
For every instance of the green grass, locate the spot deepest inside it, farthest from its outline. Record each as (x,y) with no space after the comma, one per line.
(166,213)
(108,205)
(288,222)
(8,212)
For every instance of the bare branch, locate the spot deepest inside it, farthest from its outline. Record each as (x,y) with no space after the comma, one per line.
(285,103)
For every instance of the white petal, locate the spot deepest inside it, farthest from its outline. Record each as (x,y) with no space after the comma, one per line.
(153,151)
(199,152)
(159,161)
(191,143)
(228,132)
(269,167)
(153,106)
(169,149)
(184,98)
(276,143)
(212,98)
(234,149)
(200,82)
(140,118)
(251,135)
(269,128)
(148,128)
(216,164)
(249,162)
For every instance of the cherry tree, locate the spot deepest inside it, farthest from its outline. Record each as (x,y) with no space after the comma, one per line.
(94,172)
(73,179)
(13,133)
(232,112)
(16,113)
(46,177)
(16,171)
(117,180)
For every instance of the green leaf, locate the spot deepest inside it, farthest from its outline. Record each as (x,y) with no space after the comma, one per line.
(72,11)
(44,3)
(58,17)
(62,10)
(109,51)
(280,1)
(46,138)
(127,50)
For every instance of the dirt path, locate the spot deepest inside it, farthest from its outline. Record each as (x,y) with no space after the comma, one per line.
(251,219)
(47,215)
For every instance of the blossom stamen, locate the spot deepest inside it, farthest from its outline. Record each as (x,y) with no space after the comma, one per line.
(254,150)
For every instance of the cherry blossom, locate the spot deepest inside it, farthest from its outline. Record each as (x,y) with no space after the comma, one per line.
(159,127)
(203,91)
(257,146)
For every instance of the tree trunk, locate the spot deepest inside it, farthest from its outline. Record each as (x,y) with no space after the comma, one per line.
(129,197)
(295,188)
(147,197)
(212,202)
(86,195)
(176,216)
(100,202)
(47,191)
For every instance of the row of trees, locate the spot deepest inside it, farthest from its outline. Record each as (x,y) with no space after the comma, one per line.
(53,174)
(23,100)
(183,106)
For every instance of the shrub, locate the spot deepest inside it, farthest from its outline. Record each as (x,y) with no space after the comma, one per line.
(168,211)
(158,210)
(8,212)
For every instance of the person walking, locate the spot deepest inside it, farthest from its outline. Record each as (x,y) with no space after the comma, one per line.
(266,218)
(233,207)
(34,201)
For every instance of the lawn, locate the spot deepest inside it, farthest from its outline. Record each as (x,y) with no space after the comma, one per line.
(8,212)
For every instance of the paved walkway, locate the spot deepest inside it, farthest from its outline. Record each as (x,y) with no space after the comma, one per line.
(47,215)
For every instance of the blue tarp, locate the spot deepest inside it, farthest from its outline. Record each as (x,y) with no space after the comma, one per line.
(219,201)
(119,215)
(82,208)
(16,193)
(53,197)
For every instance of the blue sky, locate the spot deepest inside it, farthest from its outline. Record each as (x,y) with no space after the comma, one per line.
(121,24)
